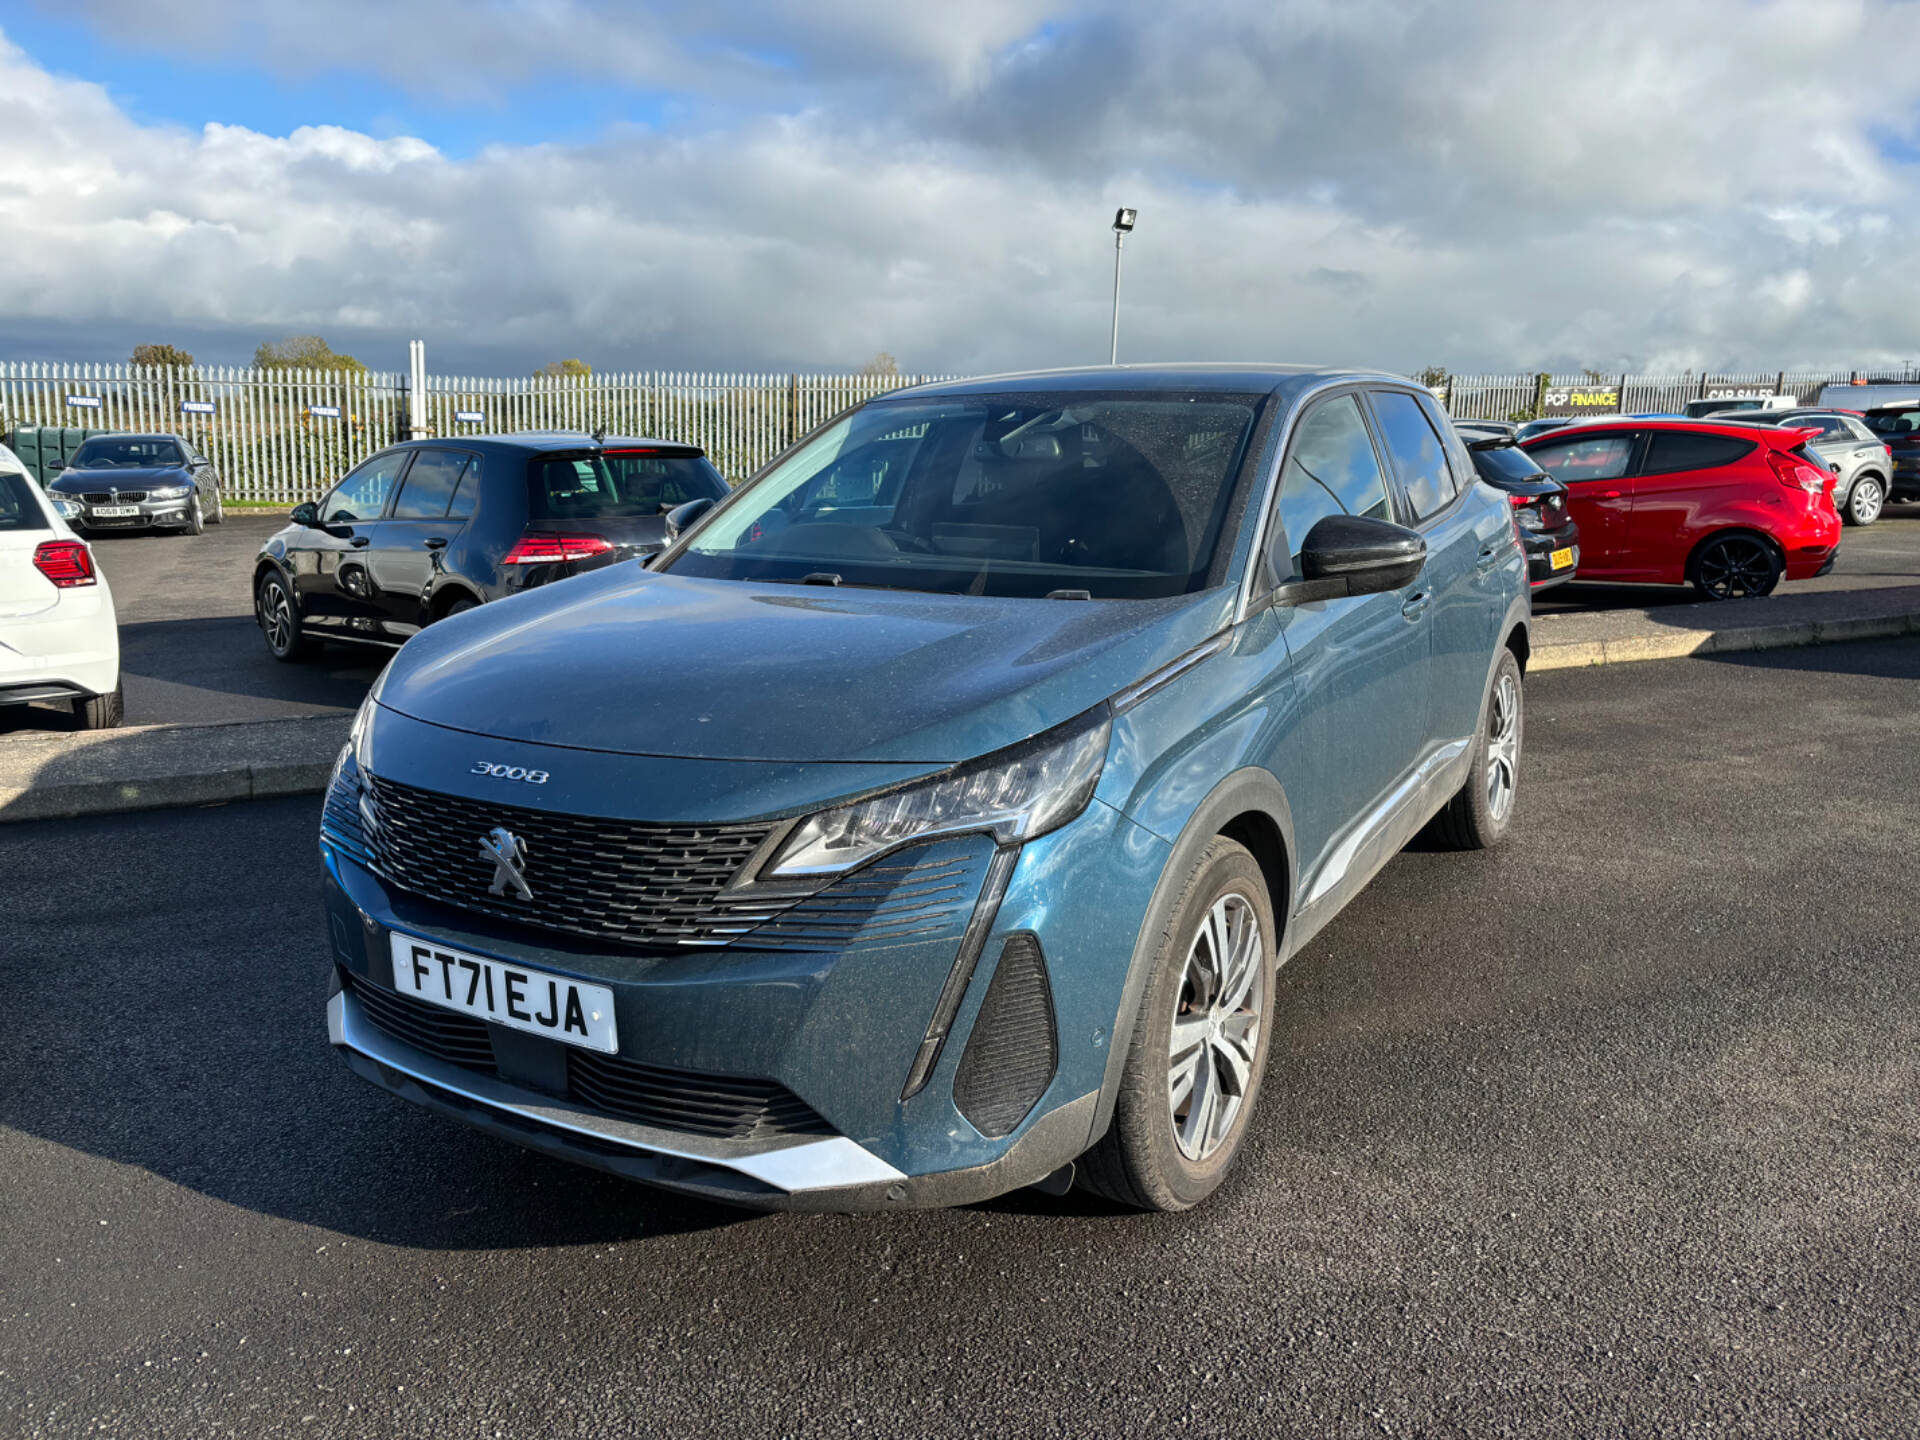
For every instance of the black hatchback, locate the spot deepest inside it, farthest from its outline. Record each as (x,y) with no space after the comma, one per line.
(429,528)
(1547,529)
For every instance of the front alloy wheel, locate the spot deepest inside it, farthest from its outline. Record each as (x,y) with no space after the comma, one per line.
(280,623)
(1192,1073)
(1736,567)
(1216,1027)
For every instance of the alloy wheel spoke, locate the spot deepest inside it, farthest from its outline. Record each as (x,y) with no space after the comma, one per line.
(1194,1135)
(1180,1080)
(1234,1065)
(1189,1034)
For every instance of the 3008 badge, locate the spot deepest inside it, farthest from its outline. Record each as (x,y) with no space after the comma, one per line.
(509,772)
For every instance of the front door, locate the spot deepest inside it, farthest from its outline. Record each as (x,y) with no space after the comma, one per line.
(329,558)
(1597,468)
(1682,476)
(402,558)
(1360,664)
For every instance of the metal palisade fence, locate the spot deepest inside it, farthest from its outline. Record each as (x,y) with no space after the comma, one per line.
(285,435)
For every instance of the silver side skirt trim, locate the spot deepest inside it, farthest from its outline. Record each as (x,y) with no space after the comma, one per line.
(794,1166)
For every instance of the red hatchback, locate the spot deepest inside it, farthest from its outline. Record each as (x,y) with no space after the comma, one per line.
(1730,508)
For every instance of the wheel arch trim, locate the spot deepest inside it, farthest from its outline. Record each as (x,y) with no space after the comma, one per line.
(1247,791)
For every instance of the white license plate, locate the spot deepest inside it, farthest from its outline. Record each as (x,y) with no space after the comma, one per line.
(518,996)
(115,512)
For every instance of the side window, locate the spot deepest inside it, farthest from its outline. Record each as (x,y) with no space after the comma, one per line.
(429,485)
(363,494)
(1451,441)
(1418,455)
(466,495)
(1330,470)
(1594,457)
(1674,450)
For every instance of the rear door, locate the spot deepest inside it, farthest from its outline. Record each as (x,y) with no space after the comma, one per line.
(1596,467)
(1683,477)
(409,543)
(1453,590)
(329,559)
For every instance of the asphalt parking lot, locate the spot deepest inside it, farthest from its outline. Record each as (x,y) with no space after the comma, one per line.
(1608,1133)
(192,654)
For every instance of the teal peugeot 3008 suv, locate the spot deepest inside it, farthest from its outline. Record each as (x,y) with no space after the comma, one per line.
(930,817)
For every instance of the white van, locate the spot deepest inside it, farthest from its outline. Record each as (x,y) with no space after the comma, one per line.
(1752,400)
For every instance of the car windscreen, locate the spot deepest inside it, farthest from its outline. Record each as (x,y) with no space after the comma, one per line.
(1121,495)
(1506,462)
(1893,422)
(19,510)
(124,453)
(595,486)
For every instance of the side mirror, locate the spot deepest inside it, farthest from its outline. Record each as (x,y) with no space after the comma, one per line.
(305,513)
(1353,555)
(681,516)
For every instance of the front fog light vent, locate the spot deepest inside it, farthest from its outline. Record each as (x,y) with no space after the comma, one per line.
(1014,1049)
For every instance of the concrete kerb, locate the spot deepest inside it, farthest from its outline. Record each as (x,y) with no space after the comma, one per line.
(45,777)
(1679,644)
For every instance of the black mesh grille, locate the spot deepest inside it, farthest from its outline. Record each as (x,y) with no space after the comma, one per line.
(686,1100)
(1013,1050)
(456,1039)
(125,497)
(683,1100)
(641,884)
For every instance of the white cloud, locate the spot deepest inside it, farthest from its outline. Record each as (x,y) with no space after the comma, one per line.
(1503,186)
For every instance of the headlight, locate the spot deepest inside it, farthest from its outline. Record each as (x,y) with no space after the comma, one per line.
(67,507)
(1015,795)
(169,492)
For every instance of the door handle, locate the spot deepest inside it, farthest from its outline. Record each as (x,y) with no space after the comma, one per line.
(436,542)
(1489,557)
(359,542)
(1416,605)
(1609,494)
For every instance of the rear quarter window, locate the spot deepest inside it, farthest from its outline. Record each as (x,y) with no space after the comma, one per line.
(1676,450)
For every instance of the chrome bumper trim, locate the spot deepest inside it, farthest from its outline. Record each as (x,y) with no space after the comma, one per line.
(794,1166)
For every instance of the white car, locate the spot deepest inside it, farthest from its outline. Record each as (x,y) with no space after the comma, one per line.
(59,637)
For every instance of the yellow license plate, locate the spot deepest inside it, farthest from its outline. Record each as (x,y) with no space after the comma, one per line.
(1562,558)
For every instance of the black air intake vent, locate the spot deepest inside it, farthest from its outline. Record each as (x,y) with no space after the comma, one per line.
(445,1035)
(1013,1050)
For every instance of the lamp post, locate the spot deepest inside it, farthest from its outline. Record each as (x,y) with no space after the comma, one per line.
(1122,227)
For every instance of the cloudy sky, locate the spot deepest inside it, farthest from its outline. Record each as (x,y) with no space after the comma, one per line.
(1484,184)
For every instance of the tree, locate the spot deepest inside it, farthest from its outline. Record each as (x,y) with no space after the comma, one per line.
(881,364)
(161,355)
(1433,377)
(561,368)
(303,352)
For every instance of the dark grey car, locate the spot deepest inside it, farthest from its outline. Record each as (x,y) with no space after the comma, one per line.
(139,482)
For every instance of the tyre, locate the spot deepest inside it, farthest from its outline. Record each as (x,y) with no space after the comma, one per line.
(280,620)
(1865,501)
(1199,1045)
(219,509)
(1479,816)
(1736,566)
(100,712)
(460,607)
(196,523)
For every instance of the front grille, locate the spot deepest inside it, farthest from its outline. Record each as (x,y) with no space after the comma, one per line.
(340,819)
(639,884)
(720,1105)
(457,1039)
(1013,1050)
(125,497)
(726,1106)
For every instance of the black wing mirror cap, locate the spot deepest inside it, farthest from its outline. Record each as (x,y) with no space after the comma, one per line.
(1370,555)
(681,516)
(305,513)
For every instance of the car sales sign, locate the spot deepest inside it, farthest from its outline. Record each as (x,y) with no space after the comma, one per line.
(1580,399)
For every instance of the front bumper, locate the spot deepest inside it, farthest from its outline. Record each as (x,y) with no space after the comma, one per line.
(841,1027)
(153,515)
